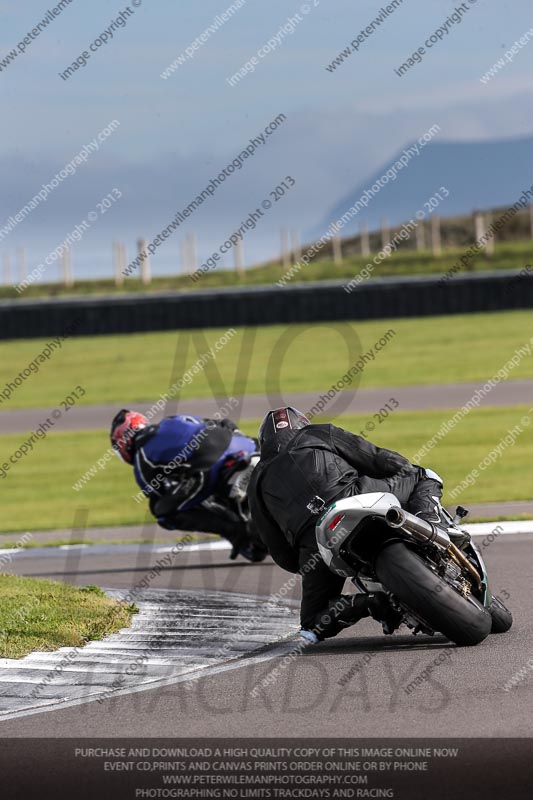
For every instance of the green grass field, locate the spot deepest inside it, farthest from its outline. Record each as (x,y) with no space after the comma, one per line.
(32,500)
(139,367)
(38,614)
(507,255)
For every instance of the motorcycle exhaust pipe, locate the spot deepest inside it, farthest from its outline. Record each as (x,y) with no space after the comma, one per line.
(419,528)
(427,532)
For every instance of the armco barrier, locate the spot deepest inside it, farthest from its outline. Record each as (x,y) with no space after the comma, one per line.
(266,305)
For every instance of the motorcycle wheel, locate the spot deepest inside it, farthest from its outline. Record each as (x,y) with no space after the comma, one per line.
(464,621)
(502,619)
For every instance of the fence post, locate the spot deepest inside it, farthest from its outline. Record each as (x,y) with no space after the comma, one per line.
(184,257)
(193,258)
(479,226)
(489,247)
(296,246)
(420,236)
(21,263)
(385,233)
(238,255)
(6,263)
(479,232)
(365,239)
(117,264)
(114,262)
(337,249)
(123,256)
(66,260)
(285,252)
(436,242)
(142,252)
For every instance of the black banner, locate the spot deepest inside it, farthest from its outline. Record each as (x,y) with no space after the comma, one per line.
(409,296)
(405,769)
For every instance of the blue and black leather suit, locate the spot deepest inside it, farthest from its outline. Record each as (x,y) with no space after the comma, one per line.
(182,464)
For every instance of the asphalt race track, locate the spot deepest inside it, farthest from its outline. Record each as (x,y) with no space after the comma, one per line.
(410,398)
(462,697)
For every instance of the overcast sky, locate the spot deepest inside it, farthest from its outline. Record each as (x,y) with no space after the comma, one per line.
(175,134)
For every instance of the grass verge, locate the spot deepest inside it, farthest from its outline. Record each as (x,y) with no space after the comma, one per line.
(38,614)
(31,500)
(300,358)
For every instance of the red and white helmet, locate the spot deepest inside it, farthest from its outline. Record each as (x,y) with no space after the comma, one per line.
(123,428)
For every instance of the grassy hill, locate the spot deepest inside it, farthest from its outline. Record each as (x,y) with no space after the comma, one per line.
(507,255)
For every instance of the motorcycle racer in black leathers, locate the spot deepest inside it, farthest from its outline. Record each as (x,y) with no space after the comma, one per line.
(304,468)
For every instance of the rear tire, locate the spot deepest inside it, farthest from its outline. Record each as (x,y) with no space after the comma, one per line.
(464,621)
(502,619)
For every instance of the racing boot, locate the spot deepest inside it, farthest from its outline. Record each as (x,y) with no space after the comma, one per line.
(342,612)
(426,498)
(438,516)
(252,551)
(382,611)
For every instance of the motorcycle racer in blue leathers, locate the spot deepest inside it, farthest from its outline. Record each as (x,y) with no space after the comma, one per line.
(194,472)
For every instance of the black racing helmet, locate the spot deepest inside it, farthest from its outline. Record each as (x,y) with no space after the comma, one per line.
(280,420)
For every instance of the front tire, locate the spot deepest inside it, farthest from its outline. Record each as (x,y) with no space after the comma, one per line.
(464,621)
(502,619)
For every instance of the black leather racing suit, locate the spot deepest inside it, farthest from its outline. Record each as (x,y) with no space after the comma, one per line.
(332,463)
